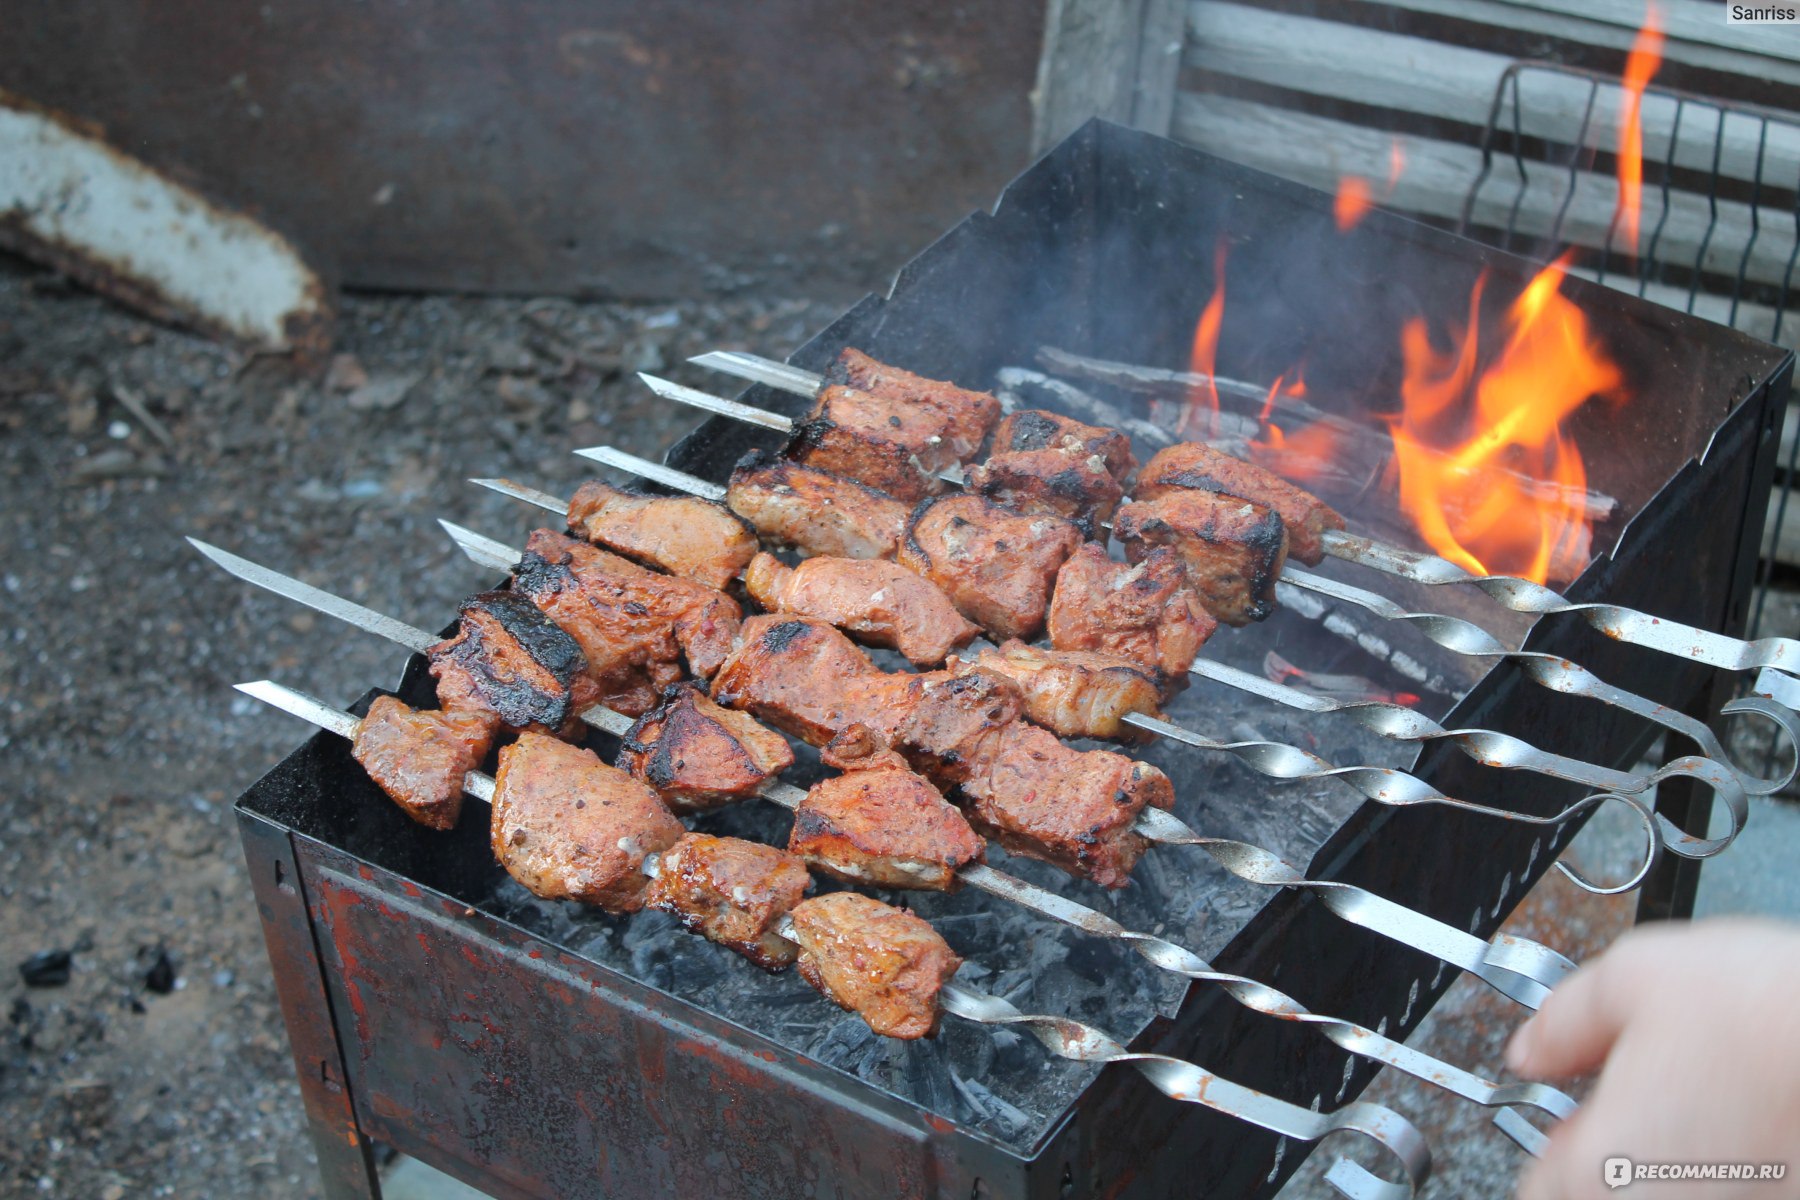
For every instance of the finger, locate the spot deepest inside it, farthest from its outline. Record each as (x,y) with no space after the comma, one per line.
(1577,1026)
(1563,1172)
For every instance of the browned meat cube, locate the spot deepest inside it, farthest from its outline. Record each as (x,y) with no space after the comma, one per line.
(815,511)
(885,826)
(1233,550)
(1073,693)
(881,603)
(945,720)
(510,660)
(968,415)
(887,466)
(881,963)
(699,756)
(1197,466)
(995,565)
(795,674)
(684,535)
(1063,483)
(420,757)
(1040,429)
(569,827)
(632,622)
(1073,808)
(731,892)
(1144,612)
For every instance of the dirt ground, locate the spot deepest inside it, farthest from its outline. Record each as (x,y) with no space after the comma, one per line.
(122,744)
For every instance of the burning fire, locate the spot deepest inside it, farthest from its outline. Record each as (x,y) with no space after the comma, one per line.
(1485,471)
(1356,196)
(1203,360)
(1640,68)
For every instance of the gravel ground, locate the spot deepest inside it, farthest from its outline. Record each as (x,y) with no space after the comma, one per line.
(160,1068)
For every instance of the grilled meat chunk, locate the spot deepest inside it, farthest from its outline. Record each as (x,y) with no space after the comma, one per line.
(793,673)
(569,827)
(1073,693)
(634,624)
(886,826)
(420,757)
(968,415)
(882,603)
(1197,466)
(1074,808)
(700,756)
(684,535)
(510,660)
(945,720)
(996,566)
(731,892)
(1143,612)
(881,963)
(1070,484)
(1233,550)
(815,511)
(1040,429)
(881,463)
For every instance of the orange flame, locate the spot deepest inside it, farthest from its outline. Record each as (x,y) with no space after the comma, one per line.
(1355,195)
(1203,359)
(1640,67)
(1486,472)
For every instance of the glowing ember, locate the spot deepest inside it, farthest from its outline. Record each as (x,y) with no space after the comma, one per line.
(1465,437)
(1203,398)
(1640,68)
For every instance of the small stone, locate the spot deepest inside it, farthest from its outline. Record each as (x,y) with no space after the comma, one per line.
(383,391)
(47,968)
(112,1191)
(346,373)
(159,977)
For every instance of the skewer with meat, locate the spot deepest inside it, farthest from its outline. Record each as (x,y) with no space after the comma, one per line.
(420,756)
(814,511)
(1076,693)
(1195,466)
(1059,481)
(879,602)
(684,535)
(511,663)
(1040,429)
(634,625)
(732,892)
(700,756)
(1144,612)
(880,823)
(997,566)
(1233,550)
(885,965)
(967,415)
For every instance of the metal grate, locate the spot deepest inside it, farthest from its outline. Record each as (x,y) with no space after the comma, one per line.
(1720,219)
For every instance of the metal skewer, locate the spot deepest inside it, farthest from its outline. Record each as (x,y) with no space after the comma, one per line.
(1689,642)
(1452,633)
(1520,969)
(1066,1038)
(1161,953)
(1384,785)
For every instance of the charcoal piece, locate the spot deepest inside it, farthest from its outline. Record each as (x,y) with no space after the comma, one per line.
(159,974)
(47,968)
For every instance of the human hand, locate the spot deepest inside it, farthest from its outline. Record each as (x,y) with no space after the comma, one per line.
(1697,1030)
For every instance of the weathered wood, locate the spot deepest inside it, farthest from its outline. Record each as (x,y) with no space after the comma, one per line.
(1116,59)
(1319,150)
(1159,65)
(1782,545)
(1331,60)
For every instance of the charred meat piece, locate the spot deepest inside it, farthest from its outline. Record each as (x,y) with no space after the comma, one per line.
(699,756)
(793,673)
(686,536)
(894,445)
(996,566)
(1144,612)
(1233,550)
(885,826)
(967,415)
(881,603)
(1040,429)
(1198,467)
(945,720)
(629,619)
(420,757)
(881,963)
(1073,693)
(731,892)
(511,660)
(1063,483)
(1074,808)
(569,827)
(815,511)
